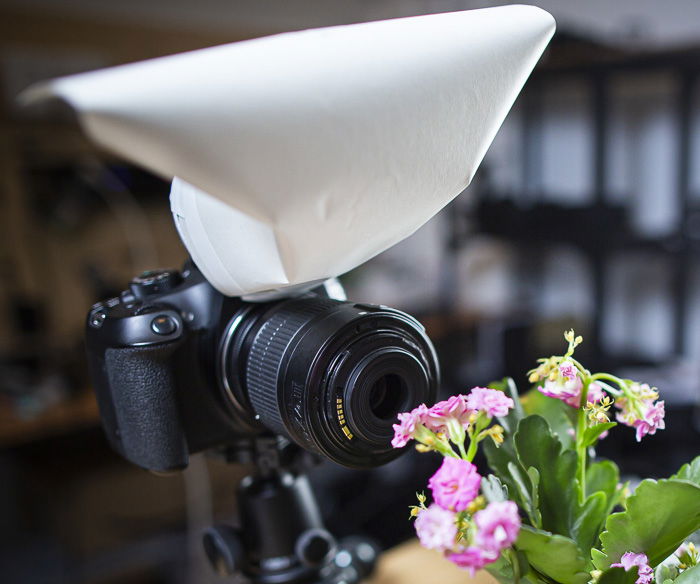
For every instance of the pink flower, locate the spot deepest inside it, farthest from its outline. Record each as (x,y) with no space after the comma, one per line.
(568,391)
(568,370)
(455,484)
(495,403)
(473,559)
(436,528)
(497,526)
(639,410)
(595,393)
(652,421)
(645,574)
(405,429)
(455,407)
(420,414)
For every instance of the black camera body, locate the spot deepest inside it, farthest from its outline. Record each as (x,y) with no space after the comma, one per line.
(180,368)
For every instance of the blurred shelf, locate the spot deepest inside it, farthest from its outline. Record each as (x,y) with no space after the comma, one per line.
(571,53)
(543,224)
(78,413)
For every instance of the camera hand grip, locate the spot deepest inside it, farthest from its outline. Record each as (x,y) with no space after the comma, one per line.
(145,406)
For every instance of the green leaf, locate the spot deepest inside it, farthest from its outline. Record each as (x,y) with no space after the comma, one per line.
(493,489)
(537,447)
(591,435)
(689,472)
(522,482)
(618,576)
(499,457)
(689,576)
(659,516)
(498,460)
(603,476)
(665,571)
(534,475)
(502,570)
(589,520)
(559,416)
(555,556)
(527,491)
(597,556)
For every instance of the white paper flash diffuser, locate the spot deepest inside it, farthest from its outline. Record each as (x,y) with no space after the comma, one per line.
(299,156)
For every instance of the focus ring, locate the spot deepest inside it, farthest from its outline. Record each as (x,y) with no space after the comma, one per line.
(266,353)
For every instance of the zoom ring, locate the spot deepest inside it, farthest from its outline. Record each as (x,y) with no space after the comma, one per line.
(266,353)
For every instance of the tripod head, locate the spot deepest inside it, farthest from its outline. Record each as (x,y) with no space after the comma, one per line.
(281,538)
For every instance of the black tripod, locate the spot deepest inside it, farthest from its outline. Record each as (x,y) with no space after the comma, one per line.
(281,539)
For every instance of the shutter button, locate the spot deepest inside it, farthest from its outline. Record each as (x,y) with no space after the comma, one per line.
(163,325)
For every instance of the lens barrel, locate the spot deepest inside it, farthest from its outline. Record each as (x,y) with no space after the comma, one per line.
(331,375)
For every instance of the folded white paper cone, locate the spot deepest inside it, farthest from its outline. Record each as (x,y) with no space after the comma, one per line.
(318,149)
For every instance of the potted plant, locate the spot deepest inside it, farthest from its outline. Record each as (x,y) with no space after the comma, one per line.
(549,511)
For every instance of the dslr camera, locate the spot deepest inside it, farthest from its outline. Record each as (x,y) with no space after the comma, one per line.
(294,158)
(180,368)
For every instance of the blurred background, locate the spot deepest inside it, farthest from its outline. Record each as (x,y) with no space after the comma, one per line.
(585,214)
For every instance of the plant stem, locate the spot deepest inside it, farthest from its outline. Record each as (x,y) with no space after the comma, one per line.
(463,452)
(615,392)
(445,449)
(609,377)
(478,425)
(582,370)
(471,453)
(580,443)
(581,456)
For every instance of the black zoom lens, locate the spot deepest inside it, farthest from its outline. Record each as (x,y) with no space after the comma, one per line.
(330,375)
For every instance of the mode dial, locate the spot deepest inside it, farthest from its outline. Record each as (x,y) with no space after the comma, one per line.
(153,282)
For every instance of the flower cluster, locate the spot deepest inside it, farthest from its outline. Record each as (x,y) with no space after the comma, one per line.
(452,420)
(564,378)
(475,521)
(688,556)
(640,409)
(470,533)
(568,389)
(497,527)
(459,523)
(555,368)
(684,558)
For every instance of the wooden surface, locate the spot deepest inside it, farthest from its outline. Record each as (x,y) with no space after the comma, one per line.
(409,563)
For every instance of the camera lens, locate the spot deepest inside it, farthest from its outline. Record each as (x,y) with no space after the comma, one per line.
(330,375)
